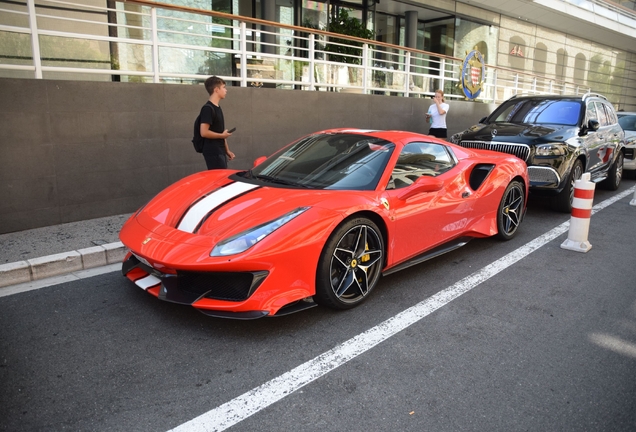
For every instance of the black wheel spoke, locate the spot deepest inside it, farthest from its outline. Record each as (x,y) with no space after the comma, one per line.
(345,283)
(511,210)
(356,263)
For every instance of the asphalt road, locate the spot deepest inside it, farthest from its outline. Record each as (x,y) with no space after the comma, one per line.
(546,344)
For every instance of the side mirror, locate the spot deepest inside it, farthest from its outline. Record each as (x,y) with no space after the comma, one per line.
(593,125)
(483,119)
(422,185)
(259,160)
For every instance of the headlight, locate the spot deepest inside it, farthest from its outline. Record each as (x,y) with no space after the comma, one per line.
(456,138)
(245,240)
(630,141)
(553,149)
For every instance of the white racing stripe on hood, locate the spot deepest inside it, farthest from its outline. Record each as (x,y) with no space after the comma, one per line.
(197,212)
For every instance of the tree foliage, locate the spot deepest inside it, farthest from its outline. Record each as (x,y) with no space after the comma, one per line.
(350,26)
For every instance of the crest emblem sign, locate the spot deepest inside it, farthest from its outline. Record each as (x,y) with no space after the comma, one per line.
(473,73)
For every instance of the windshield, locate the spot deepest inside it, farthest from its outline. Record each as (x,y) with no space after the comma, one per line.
(627,122)
(537,111)
(328,161)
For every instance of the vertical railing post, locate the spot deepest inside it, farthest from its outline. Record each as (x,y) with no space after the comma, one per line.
(516,83)
(534,85)
(35,39)
(312,63)
(550,86)
(442,69)
(407,74)
(365,70)
(243,54)
(494,86)
(155,45)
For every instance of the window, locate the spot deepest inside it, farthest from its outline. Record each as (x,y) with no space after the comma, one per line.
(591,112)
(602,116)
(344,161)
(611,115)
(628,122)
(417,160)
(538,111)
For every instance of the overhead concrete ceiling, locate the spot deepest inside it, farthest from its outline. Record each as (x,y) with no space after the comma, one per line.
(558,15)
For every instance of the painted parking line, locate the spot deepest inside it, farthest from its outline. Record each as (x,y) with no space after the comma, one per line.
(259,398)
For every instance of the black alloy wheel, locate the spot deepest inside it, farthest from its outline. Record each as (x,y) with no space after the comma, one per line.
(615,174)
(510,211)
(563,201)
(350,264)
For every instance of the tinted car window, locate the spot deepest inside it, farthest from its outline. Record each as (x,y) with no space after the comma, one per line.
(602,116)
(628,122)
(419,159)
(611,115)
(327,161)
(535,111)
(591,112)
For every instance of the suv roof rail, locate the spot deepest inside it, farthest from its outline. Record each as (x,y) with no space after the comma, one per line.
(523,95)
(590,94)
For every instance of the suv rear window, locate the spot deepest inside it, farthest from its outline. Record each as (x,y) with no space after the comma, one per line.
(536,111)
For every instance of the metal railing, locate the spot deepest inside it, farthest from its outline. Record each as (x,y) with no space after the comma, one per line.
(147,41)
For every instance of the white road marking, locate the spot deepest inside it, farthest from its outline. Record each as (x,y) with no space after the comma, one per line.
(259,398)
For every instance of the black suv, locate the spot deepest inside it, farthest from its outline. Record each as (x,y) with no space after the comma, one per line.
(559,138)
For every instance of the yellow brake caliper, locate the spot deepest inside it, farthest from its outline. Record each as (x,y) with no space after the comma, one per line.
(365,257)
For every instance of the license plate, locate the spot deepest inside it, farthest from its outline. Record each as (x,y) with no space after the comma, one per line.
(143,260)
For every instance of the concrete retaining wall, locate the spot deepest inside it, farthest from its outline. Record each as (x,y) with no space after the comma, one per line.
(76,150)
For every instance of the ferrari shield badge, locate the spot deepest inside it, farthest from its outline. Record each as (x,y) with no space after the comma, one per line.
(385,203)
(473,73)
(146,241)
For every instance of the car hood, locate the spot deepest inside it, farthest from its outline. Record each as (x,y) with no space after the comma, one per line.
(216,205)
(518,133)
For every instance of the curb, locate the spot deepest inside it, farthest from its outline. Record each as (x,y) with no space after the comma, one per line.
(62,263)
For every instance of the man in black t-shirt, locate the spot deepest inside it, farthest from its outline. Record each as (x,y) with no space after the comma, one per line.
(215,149)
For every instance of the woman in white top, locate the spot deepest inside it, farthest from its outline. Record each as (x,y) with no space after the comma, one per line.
(437,112)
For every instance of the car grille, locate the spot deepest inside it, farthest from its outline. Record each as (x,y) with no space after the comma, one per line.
(231,286)
(522,151)
(543,176)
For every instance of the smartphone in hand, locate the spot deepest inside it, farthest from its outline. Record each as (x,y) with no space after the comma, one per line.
(232,130)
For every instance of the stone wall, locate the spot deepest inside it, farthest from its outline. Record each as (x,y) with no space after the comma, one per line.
(75,150)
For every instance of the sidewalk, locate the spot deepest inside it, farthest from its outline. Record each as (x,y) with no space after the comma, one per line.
(50,251)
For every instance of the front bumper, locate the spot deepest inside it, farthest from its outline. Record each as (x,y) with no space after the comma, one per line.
(543,177)
(629,163)
(193,288)
(176,267)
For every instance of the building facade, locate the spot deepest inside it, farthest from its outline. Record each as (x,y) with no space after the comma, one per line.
(590,44)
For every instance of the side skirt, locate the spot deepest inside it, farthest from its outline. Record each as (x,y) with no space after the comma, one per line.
(439,250)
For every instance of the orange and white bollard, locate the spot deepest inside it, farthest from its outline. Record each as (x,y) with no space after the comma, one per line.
(581,213)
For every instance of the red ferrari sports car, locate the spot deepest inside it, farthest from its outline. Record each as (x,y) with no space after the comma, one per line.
(319,221)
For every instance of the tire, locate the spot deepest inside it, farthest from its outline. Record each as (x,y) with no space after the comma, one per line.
(615,174)
(563,201)
(510,211)
(350,264)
